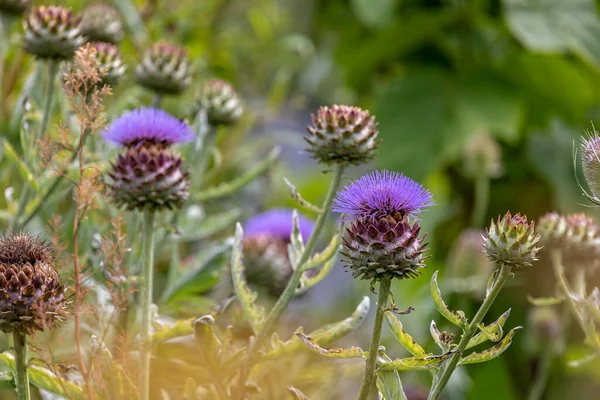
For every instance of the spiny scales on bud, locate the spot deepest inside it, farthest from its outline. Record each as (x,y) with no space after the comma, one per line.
(220,101)
(31,291)
(14,7)
(342,135)
(102,23)
(165,69)
(52,33)
(110,62)
(513,241)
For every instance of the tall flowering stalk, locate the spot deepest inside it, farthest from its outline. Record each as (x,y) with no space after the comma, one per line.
(382,240)
(147,176)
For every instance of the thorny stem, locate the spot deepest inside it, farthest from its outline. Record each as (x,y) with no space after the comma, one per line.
(146,302)
(451,364)
(290,291)
(21,376)
(482,194)
(367,382)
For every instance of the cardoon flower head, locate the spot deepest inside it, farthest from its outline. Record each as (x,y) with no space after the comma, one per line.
(147,174)
(31,291)
(110,61)
(165,69)
(513,241)
(342,135)
(102,23)
(52,33)
(220,101)
(590,160)
(266,241)
(148,125)
(382,241)
(576,235)
(14,7)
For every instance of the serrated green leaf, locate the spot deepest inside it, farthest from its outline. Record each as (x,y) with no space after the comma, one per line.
(45,379)
(404,338)
(116,383)
(456,318)
(245,295)
(414,363)
(490,353)
(491,332)
(331,352)
(544,301)
(389,384)
(297,394)
(298,198)
(296,246)
(205,337)
(326,255)
(179,328)
(23,169)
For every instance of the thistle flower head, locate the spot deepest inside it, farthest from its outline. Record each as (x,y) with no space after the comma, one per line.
(31,291)
(52,33)
(482,157)
(110,61)
(220,101)
(266,241)
(382,242)
(512,240)
(14,7)
(102,23)
(381,193)
(590,160)
(165,69)
(148,125)
(342,135)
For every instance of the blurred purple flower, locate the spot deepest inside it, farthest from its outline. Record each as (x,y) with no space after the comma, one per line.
(379,194)
(278,223)
(148,125)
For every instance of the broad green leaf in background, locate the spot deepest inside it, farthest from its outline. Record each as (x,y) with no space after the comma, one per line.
(374,13)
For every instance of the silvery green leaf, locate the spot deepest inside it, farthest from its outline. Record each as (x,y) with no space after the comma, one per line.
(331,352)
(404,338)
(414,363)
(457,318)
(389,384)
(245,295)
(296,246)
(491,332)
(307,283)
(491,353)
(298,198)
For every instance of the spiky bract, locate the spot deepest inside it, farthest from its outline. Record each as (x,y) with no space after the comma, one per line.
(165,69)
(512,240)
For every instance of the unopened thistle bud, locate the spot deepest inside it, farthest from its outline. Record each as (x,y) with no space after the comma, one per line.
(342,135)
(513,241)
(52,33)
(482,157)
(102,23)
(577,236)
(14,7)
(590,160)
(31,291)
(266,241)
(165,69)
(382,240)
(110,62)
(147,174)
(220,101)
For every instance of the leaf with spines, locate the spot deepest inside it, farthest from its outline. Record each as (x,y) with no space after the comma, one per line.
(331,352)
(388,383)
(299,199)
(326,255)
(491,332)
(245,295)
(414,363)
(404,338)
(457,318)
(492,352)
(296,246)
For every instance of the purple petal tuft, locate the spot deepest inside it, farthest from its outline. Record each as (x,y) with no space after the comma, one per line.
(279,223)
(148,124)
(381,193)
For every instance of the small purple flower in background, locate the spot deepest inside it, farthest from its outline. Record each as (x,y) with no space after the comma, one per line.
(148,125)
(266,241)
(381,241)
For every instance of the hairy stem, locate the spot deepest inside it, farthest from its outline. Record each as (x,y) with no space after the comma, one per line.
(146,302)
(21,377)
(482,194)
(367,382)
(290,290)
(451,364)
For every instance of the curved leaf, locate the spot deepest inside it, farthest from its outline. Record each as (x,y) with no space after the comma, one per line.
(457,318)
(491,332)
(490,353)
(404,338)
(331,352)
(298,198)
(414,363)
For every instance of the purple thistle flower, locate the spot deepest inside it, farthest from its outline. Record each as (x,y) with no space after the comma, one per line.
(148,125)
(379,194)
(278,223)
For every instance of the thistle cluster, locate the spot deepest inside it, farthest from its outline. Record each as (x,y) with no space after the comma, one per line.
(164,69)
(512,241)
(147,174)
(382,234)
(220,101)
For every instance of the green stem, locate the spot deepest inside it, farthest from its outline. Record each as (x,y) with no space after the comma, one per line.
(367,382)
(146,302)
(21,376)
(156,100)
(52,71)
(542,375)
(482,194)
(290,290)
(452,363)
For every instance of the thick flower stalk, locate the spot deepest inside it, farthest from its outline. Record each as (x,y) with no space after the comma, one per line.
(148,177)
(52,33)
(342,135)
(31,295)
(102,23)
(266,241)
(164,69)
(220,101)
(382,239)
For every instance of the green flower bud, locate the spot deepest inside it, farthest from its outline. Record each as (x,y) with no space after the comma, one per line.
(512,241)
